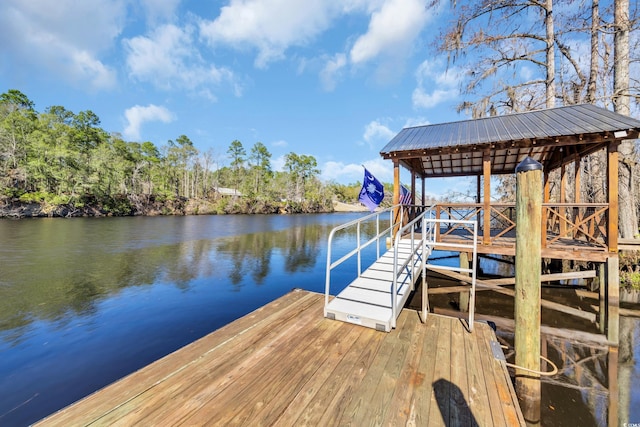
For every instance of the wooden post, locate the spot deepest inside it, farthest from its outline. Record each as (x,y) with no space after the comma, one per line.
(576,215)
(396,195)
(563,199)
(464,295)
(612,186)
(602,293)
(613,275)
(613,299)
(614,390)
(546,198)
(577,173)
(479,200)
(527,289)
(413,188)
(486,174)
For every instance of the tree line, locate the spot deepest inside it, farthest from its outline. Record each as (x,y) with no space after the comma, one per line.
(64,163)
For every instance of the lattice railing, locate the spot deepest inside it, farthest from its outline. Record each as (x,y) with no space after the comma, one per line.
(585,223)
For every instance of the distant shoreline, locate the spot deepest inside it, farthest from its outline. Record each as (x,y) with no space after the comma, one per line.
(346,207)
(17,210)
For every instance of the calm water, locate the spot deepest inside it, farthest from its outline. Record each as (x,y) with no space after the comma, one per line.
(84,302)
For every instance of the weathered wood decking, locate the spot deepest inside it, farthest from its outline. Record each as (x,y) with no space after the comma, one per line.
(285,364)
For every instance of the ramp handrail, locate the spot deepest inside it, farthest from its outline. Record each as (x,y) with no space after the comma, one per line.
(359,246)
(427,233)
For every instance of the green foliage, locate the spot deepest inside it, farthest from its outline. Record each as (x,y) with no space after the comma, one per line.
(66,161)
(35,197)
(630,270)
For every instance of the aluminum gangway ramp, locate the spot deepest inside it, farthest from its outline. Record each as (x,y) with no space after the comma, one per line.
(368,300)
(376,296)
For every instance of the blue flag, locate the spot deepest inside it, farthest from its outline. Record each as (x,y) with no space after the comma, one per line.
(372,191)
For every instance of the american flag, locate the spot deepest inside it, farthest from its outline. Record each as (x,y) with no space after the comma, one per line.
(405,195)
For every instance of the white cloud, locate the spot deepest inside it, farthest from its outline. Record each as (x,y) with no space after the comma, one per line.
(270,26)
(137,115)
(392,30)
(341,172)
(380,168)
(278,163)
(159,11)
(332,70)
(435,85)
(168,59)
(376,132)
(416,121)
(347,173)
(280,143)
(64,38)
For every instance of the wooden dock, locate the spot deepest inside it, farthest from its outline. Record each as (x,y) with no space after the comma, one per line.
(285,364)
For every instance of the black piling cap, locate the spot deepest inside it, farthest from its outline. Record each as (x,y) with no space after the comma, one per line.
(528,164)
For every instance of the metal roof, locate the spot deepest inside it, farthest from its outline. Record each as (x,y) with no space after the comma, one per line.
(550,136)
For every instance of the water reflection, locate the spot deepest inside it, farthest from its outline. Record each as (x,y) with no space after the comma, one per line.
(66,270)
(84,302)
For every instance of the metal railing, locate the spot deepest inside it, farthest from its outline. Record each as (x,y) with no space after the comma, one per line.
(419,251)
(426,226)
(395,228)
(358,223)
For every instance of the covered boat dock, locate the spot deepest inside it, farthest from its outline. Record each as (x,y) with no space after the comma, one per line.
(561,139)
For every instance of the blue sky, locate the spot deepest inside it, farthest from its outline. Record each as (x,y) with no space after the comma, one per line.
(335,79)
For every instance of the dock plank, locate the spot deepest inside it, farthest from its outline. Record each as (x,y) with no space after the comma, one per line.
(285,364)
(339,371)
(478,399)
(421,400)
(409,381)
(439,407)
(358,406)
(119,393)
(189,389)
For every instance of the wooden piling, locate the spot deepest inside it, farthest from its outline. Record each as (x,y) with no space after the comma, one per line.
(527,286)
(613,298)
(602,293)
(464,295)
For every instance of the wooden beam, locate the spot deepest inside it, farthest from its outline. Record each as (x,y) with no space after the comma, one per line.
(488,285)
(509,281)
(509,325)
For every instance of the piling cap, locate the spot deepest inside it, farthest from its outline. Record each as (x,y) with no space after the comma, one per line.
(528,164)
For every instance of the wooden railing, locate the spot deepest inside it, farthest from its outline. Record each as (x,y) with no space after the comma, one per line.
(583,224)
